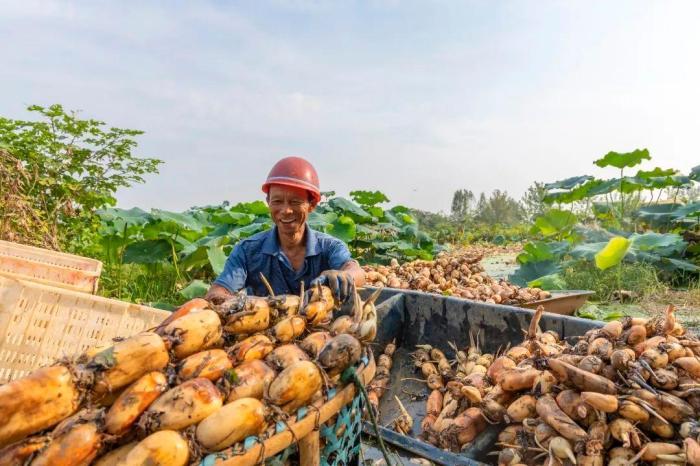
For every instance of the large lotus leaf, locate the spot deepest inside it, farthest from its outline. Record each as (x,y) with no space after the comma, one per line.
(186,221)
(695,173)
(549,282)
(349,208)
(577,194)
(679,264)
(134,216)
(147,252)
(119,228)
(604,187)
(344,228)
(393,219)
(233,218)
(248,230)
(681,180)
(631,184)
(667,264)
(537,251)
(568,183)
(376,211)
(688,210)
(197,258)
(218,236)
(593,235)
(368,231)
(414,233)
(406,218)
(587,250)
(656,172)
(388,245)
(400,209)
(217,258)
(532,271)
(664,244)
(368,198)
(321,221)
(183,243)
(255,208)
(555,222)
(624,159)
(613,253)
(196,289)
(658,215)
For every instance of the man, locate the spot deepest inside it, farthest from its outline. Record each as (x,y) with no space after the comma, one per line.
(291,252)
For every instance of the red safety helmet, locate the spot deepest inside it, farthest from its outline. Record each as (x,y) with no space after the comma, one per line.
(297,173)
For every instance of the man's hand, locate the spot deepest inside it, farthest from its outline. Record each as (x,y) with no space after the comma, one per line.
(341,283)
(218,294)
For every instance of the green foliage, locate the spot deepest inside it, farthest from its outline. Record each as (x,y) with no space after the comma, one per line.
(658,215)
(556,224)
(72,166)
(368,198)
(549,282)
(532,271)
(532,202)
(623,160)
(498,208)
(594,312)
(639,278)
(196,289)
(462,205)
(143,284)
(568,183)
(197,242)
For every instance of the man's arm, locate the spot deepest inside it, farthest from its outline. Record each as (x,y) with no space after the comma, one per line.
(231,279)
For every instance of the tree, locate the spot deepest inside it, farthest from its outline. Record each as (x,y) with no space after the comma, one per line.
(499,208)
(462,205)
(533,201)
(66,168)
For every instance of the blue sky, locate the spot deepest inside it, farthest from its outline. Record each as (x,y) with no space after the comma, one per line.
(417,99)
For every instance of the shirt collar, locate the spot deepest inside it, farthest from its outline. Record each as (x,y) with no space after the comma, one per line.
(271,244)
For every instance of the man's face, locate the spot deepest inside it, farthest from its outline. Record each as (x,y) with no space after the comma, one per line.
(289,208)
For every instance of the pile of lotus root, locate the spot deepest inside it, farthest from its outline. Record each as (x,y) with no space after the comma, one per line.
(201,382)
(460,274)
(627,393)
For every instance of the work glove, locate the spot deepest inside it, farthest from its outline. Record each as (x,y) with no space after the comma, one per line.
(341,283)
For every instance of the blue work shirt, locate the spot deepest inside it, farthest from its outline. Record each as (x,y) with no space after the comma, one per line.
(262,253)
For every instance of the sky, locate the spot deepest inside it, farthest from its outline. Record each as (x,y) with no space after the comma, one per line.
(413,98)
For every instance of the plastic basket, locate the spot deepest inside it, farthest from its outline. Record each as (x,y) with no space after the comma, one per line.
(328,434)
(49,267)
(40,323)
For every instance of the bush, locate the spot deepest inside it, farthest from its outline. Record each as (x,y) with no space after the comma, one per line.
(55,173)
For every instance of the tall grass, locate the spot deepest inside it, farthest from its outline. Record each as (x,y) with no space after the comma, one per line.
(638,278)
(153,284)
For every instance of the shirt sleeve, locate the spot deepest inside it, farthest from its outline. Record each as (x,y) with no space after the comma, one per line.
(338,254)
(235,272)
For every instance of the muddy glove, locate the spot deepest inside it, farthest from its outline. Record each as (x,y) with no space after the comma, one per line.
(341,283)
